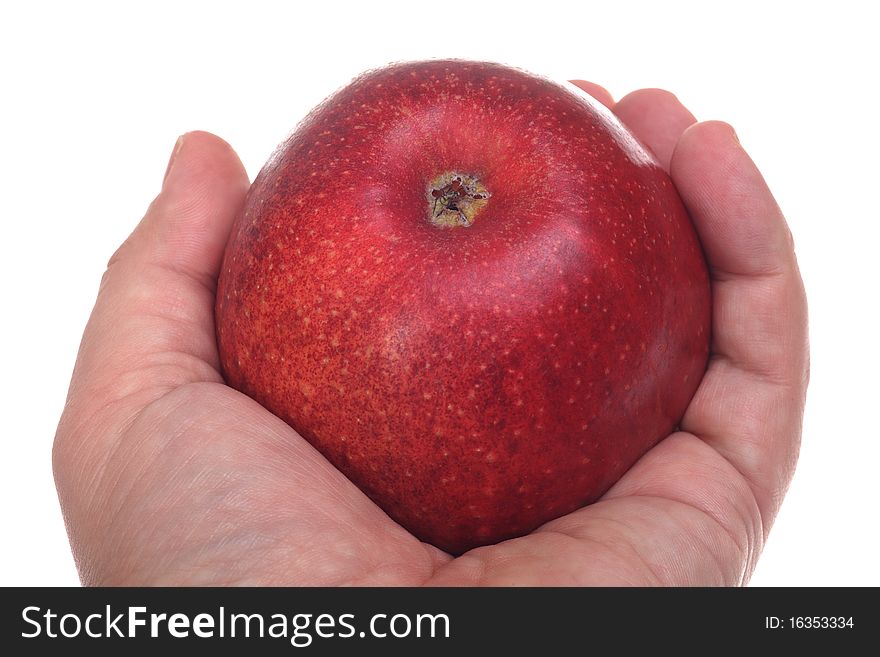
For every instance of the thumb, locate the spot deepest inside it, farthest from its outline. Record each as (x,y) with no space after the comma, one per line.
(152,327)
(187,225)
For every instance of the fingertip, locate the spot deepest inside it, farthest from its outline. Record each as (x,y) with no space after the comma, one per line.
(712,134)
(198,154)
(596,91)
(705,148)
(657,117)
(654,103)
(739,222)
(650,96)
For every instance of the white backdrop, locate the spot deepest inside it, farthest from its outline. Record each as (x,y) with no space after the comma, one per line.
(94,96)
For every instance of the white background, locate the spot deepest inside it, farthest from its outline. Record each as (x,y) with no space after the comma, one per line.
(92,98)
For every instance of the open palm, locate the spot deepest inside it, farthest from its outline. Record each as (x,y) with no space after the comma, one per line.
(167,476)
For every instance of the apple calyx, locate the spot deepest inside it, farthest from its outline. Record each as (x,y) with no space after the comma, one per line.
(455,199)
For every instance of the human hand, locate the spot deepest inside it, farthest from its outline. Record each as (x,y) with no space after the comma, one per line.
(167,476)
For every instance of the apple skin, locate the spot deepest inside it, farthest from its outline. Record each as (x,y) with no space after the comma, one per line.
(476,381)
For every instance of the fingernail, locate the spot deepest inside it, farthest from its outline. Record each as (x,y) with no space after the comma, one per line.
(734,135)
(177,146)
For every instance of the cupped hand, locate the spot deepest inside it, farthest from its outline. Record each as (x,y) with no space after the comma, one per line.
(168,476)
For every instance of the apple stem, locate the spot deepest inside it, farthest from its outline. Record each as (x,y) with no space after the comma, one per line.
(456,199)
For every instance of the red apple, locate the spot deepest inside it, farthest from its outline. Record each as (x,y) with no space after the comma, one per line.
(473,290)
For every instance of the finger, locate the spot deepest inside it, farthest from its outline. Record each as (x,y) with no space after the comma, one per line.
(152,326)
(749,406)
(599,93)
(657,118)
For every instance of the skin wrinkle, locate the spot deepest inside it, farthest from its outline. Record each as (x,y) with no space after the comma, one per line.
(746,543)
(621,550)
(106,483)
(175,436)
(138,370)
(745,548)
(82,454)
(764,369)
(751,546)
(688,507)
(178,481)
(701,426)
(142,298)
(629,547)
